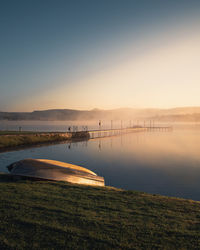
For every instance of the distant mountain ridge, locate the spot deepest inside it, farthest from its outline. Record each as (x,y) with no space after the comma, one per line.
(174,114)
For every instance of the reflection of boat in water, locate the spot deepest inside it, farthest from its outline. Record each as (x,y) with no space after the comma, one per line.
(55,170)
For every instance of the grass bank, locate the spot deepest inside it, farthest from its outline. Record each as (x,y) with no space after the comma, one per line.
(58,215)
(12,139)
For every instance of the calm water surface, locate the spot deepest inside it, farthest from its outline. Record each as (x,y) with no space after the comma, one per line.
(166,163)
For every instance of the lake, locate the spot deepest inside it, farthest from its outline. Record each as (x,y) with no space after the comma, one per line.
(166,163)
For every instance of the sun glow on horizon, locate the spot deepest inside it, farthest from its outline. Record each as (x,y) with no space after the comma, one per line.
(165,76)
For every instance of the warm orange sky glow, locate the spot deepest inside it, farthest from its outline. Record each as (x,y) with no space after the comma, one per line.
(138,55)
(163,77)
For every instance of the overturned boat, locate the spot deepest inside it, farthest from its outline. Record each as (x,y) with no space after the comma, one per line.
(54,170)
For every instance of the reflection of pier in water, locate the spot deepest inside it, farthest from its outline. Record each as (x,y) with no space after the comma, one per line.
(109,137)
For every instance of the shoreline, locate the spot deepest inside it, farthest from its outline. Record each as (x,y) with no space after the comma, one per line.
(20,140)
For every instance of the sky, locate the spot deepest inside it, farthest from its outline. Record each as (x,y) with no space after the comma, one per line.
(60,54)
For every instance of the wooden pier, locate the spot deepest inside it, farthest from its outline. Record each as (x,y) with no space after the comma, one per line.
(114,132)
(168,128)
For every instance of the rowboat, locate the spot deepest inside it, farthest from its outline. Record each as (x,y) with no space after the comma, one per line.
(44,169)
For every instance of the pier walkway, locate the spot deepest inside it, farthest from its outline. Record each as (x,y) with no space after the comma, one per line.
(114,132)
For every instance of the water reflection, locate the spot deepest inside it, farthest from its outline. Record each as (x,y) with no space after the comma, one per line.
(165,163)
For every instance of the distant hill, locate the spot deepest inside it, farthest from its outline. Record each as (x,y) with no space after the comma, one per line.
(195,117)
(190,114)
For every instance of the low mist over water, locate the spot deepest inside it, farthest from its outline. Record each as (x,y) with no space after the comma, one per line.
(166,163)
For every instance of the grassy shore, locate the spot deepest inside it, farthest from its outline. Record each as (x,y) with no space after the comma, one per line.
(58,215)
(13,139)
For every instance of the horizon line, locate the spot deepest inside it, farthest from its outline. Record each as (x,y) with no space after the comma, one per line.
(99,109)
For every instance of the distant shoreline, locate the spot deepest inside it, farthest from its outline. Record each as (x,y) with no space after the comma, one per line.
(179,114)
